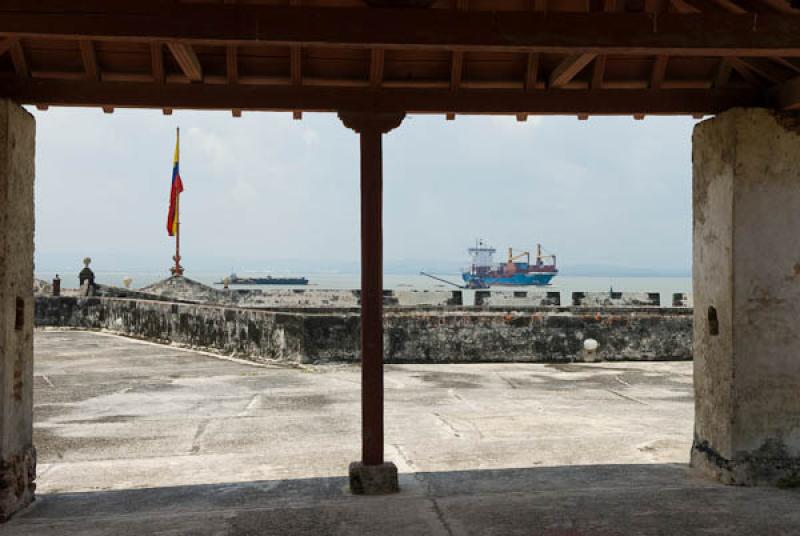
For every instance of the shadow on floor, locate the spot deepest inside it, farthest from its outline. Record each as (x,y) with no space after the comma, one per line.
(598,500)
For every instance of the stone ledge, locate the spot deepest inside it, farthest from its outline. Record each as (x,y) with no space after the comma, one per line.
(17,482)
(373,479)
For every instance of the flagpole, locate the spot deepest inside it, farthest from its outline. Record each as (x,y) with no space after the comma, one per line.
(178,269)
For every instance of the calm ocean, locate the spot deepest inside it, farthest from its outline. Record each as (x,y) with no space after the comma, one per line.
(564,283)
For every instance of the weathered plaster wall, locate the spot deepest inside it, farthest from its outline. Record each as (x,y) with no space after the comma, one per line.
(258,335)
(424,336)
(747,297)
(17,456)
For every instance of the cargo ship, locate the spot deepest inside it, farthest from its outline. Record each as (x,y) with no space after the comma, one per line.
(234,279)
(516,271)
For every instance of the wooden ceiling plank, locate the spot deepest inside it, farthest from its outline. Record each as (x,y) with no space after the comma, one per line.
(187,60)
(89,58)
(376,67)
(288,98)
(232,64)
(659,71)
(540,5)
(569,68)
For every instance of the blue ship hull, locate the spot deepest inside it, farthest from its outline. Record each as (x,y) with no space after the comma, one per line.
(516,280)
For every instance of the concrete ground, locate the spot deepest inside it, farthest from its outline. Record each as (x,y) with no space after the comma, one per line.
(135,438)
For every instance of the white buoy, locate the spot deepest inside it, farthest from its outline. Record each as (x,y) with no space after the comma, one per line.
(590,345)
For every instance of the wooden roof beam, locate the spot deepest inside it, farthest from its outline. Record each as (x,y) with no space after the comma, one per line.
(89,58)
(532,71)
(743,68)
(232,64)
(569,68)
(712,34)
(466,101)
(456,69)
(376,67)
(683,7)
(157,61)
(187,60)
(19,60)
(599,72)
(296,65)
(659,71)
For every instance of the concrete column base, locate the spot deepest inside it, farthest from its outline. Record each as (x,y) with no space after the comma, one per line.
(17,485)
(373,479)
(769,466)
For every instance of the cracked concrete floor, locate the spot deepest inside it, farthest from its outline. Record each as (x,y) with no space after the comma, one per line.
(136,438)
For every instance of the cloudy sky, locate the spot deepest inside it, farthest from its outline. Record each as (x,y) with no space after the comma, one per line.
(265,191)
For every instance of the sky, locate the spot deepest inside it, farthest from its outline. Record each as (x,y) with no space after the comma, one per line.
(266,192)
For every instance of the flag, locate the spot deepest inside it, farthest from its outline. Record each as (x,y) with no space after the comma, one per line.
(175,191)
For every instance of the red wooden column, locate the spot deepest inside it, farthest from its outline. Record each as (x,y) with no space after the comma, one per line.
(372,475)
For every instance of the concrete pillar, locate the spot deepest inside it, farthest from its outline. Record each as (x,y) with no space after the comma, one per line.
(372,475)
(747,297)
(17,455)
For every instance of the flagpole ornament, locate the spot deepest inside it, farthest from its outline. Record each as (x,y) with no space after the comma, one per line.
(173,216)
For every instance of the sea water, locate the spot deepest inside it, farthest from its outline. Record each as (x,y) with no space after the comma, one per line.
(566,284)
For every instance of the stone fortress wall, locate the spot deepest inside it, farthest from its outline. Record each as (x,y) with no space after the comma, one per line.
(310,325)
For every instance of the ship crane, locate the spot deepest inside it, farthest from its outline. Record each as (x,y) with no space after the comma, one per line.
(512,257)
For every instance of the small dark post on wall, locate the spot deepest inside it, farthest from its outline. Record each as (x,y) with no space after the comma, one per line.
(372,475)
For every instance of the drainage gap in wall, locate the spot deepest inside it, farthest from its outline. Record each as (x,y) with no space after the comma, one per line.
(19,321)
(713,322)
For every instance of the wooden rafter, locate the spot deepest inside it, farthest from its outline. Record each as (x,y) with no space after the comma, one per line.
(532,71)
(187,60)
(456,69)
(599,72)
(731,6)
(232,64)
(19,60)
(659,71)
(569,68)
(296,65)
(157,62)
(781,6)
(684,7)
(787,95)
(376,67)
(89,58)
(723,75)
(743,68)
(765,70)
